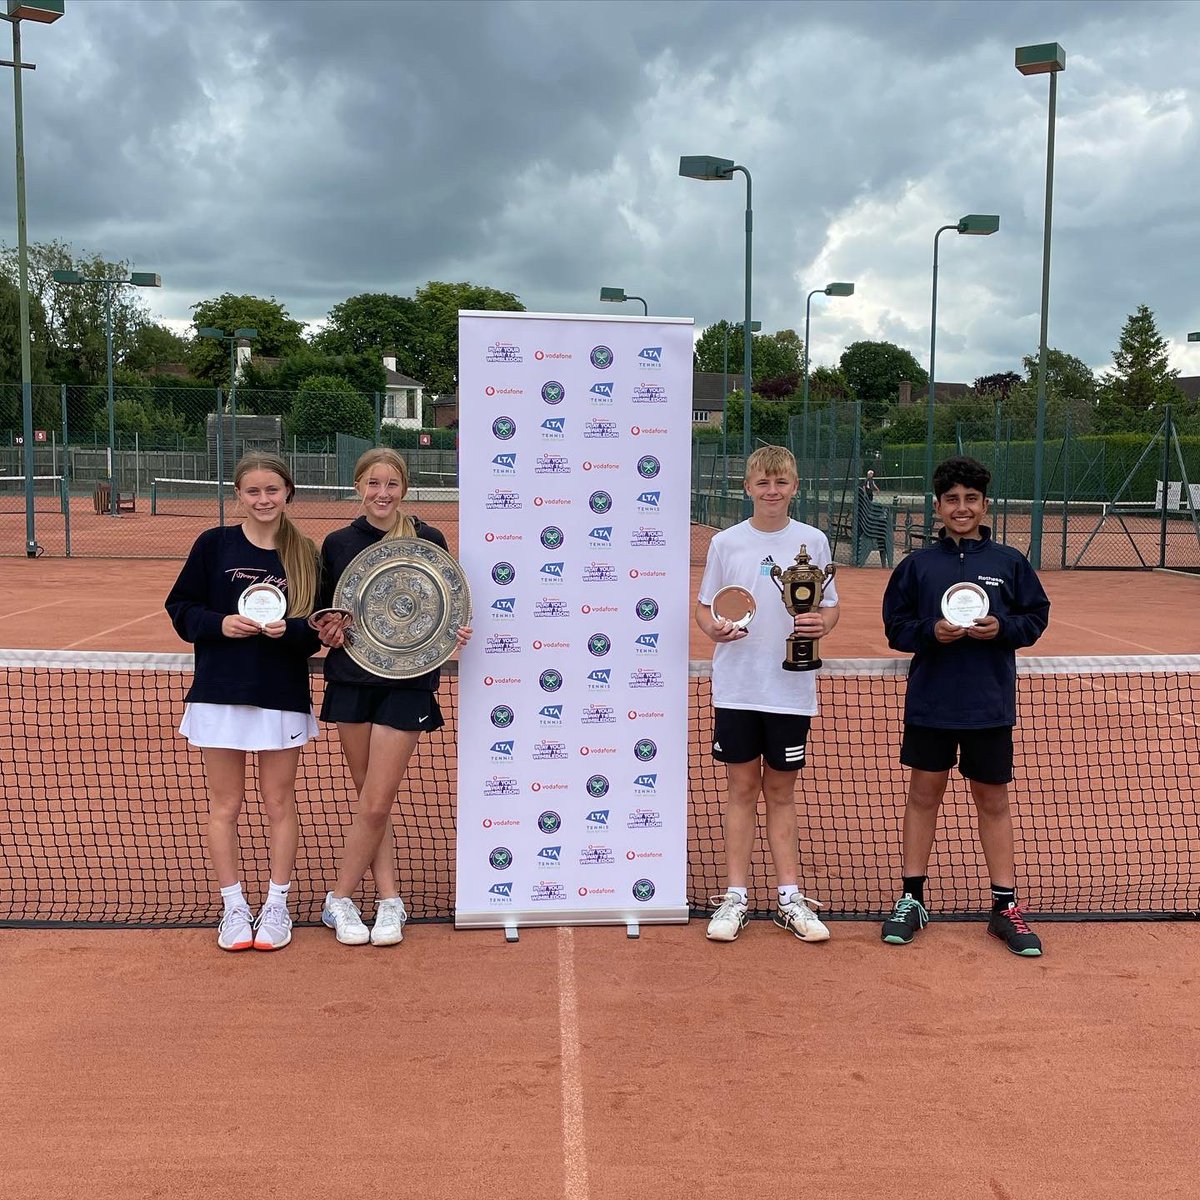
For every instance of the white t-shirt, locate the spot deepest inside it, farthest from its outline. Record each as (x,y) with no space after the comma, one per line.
(748,673)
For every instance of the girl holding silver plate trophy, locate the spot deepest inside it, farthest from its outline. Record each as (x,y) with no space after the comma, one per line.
(394,607)
(243,599)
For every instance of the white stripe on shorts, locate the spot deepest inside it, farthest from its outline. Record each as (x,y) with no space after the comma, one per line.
(244,727)
(793,754)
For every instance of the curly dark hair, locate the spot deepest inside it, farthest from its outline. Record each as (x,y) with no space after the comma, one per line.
(969,472)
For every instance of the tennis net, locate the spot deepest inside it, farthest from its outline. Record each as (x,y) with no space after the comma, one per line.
(49,493)
(104,804)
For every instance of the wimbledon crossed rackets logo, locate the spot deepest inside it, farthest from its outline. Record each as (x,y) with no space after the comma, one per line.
(549,822)
(504,428)
(647,609)
(502,716)
(644,750)
(501,858)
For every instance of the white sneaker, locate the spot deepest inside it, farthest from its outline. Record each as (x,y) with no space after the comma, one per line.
(729,918)
(797,916)
(390,916)
(273,929)
(236,930)
(342,916)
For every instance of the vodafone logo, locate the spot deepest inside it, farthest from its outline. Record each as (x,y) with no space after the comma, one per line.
(635,430)
(629,854)
(489,391)
(632,714)
(587,608)
(535,787)
(583,891)
(538,501)
(583,750)
(489,537)
(537,645)
(633,573)
(488,681)
(539,355)
(587,466)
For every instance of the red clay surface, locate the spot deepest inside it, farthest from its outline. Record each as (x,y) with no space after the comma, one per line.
(578,1065)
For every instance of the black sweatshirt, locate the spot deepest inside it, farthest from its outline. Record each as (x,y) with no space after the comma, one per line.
(261,671)
(339,550)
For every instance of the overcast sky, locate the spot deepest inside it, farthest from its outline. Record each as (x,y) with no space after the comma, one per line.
(316,150)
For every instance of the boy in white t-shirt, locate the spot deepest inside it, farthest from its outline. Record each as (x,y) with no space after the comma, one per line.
(762,712)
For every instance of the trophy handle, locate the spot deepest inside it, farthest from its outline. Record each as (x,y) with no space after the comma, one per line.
(776,571)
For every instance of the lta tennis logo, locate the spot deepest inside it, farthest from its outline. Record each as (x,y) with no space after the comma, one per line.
(600,502)
(647,608)
(503,573)
(602,358)
(549,821)
(504,428)
(553,391)
(500,858)
(599,644)
(502,716)
(550,680)
(644,750)
(648,466)
(643,890)
(552,537)
(597,787)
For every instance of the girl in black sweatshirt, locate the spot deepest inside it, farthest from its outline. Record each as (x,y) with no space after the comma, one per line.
(250,691)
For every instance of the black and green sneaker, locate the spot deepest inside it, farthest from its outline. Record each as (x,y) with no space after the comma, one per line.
(907,920)
(1009,925)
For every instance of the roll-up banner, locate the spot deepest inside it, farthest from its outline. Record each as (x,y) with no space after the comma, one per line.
(574,528)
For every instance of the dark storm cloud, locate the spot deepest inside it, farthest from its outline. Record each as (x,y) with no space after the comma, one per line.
(316,150)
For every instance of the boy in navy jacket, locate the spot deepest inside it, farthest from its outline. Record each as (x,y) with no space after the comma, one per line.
(961,701)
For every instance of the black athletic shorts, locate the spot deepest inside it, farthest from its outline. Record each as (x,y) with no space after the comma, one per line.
(411,709)
(779,739)
(985,755)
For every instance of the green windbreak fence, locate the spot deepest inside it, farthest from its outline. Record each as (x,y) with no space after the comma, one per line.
(1108,501)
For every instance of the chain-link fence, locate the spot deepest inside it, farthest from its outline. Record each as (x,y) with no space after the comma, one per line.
(162,472)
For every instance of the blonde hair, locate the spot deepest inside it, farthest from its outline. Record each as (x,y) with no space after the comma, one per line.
(297,552)
(384,456)
(772,460)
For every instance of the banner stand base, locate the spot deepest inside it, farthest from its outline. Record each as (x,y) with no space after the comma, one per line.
(513,922)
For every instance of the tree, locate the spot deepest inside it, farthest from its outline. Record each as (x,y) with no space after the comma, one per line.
(875,370)
(772,355)
(70,317)
(829,383)
(377,323)
(278,333)
(442,302)
(153,345)
(326,405)
(997,385)
(363,371)
(1070,391)
(1133,394)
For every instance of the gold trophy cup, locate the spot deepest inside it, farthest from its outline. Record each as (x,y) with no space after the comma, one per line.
(801,587)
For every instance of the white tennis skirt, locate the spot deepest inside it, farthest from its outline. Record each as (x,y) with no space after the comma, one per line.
(244,727)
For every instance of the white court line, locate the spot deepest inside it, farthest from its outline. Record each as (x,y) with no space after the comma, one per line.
(575,1172)
(124,625)
(20,612)
(1111,637)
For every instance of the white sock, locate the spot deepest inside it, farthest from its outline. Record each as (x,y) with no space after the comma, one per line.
(788,892)
(278,891)
(233,896)
(741,893)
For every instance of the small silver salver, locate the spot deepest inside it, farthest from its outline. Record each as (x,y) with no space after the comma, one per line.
(408,598)
(965,603)
(262,602)
(734,604)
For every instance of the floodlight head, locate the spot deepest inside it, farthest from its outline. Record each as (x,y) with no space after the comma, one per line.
(1041,60)
(979,223)
(208,331)
(145,279)
(245,333)
(615,295)
(704,166)
(755,326)
(839,289)
(43,11)
(66,276)
(1194,337)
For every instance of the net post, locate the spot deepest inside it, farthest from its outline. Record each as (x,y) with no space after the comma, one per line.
(1166,488)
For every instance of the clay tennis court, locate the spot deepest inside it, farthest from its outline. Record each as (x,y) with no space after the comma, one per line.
(580,1064)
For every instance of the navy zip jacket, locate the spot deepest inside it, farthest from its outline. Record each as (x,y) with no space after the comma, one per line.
(339,549)
(967,684)
(262,671)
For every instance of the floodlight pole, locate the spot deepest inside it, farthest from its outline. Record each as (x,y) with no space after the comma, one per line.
(930,404)
(747,341)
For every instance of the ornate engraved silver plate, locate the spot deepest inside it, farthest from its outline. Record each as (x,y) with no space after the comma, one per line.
(408,598)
